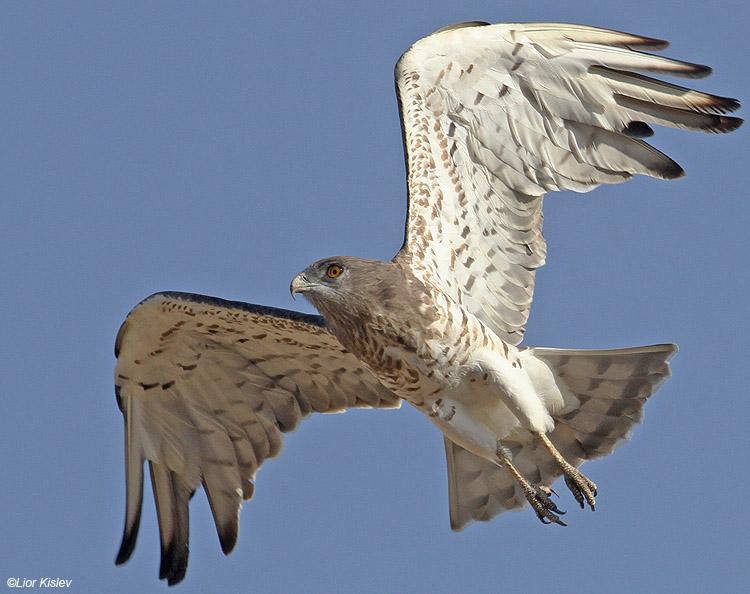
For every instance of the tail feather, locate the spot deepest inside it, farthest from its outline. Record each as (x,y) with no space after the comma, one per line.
(603,393)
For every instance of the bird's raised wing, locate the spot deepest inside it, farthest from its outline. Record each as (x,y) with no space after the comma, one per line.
(495,116)
(207,387)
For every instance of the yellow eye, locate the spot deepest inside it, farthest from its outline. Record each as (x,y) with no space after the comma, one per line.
(334,271)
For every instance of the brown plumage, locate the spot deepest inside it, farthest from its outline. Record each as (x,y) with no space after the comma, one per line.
(494,117)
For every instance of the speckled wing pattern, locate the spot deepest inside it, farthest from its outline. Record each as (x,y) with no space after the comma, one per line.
(495,116)
(207,388)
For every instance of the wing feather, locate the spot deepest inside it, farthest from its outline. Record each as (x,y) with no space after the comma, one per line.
(496,116)
(207,387)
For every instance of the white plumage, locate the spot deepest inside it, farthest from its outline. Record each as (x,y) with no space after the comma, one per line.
(494,117)
(596,398)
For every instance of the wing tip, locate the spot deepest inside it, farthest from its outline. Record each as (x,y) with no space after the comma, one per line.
(723,104)
(641,41)
(127,546)
(133,504)
(228,533)
(227,522)
(174,563)
(461,25)
(663,166)
(129,538)
(672,171)
(727,124)
(118,398)
(670,348)
(653,43)
(696,70)
(638,129)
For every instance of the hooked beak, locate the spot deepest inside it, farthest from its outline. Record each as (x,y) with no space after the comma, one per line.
(300,284)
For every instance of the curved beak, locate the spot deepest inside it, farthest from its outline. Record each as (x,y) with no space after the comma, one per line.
(300,284)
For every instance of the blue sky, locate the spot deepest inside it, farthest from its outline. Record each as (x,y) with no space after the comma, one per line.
(219,150)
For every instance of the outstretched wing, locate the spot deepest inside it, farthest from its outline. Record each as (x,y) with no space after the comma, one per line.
(495,116)
(207,387)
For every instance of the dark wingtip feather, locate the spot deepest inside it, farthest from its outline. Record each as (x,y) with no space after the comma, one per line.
(177,577)
(722,124)
(668,168)
(171,497)
(130,529)
(120,337)
(681,118)
(728,123)
(725,104)
(228,536)
(638,129)
(129,538)
(226,515)
(649,42)
(118,398)
(248,489)
(462,25)
(174,562)
(126,549)
(166,562)
(661,166)
(675,171)
(698,71)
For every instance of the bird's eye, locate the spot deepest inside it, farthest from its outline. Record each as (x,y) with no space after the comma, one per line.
(334,271)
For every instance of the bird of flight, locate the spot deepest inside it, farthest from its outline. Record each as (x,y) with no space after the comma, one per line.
(493,118)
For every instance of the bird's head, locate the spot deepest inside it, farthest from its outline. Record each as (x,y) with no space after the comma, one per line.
(326,277)
(344,281)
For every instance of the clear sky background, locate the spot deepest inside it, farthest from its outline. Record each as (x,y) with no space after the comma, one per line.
(219,150)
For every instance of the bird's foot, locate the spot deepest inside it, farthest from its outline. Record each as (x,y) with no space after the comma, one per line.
(537,496)
(583,489)
(546,510)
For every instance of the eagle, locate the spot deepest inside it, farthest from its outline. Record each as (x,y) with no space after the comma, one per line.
(493,118)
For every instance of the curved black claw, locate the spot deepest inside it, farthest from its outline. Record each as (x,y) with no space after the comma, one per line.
(543,496)
(574,489)
(547,517)
(544,507)
(582,488)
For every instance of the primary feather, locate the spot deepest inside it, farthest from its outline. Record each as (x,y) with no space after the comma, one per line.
(494,117)
(207,388)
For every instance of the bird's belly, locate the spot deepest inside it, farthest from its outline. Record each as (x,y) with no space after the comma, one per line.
(474,416)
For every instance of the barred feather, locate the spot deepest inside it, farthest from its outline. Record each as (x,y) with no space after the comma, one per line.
(603,392)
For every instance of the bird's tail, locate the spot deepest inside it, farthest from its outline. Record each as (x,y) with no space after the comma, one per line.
(603,392)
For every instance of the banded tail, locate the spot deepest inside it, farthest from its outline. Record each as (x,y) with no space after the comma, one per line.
(603,393)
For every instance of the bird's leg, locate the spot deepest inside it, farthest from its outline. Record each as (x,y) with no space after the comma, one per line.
(582,488)
(538,497)
(444,411)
